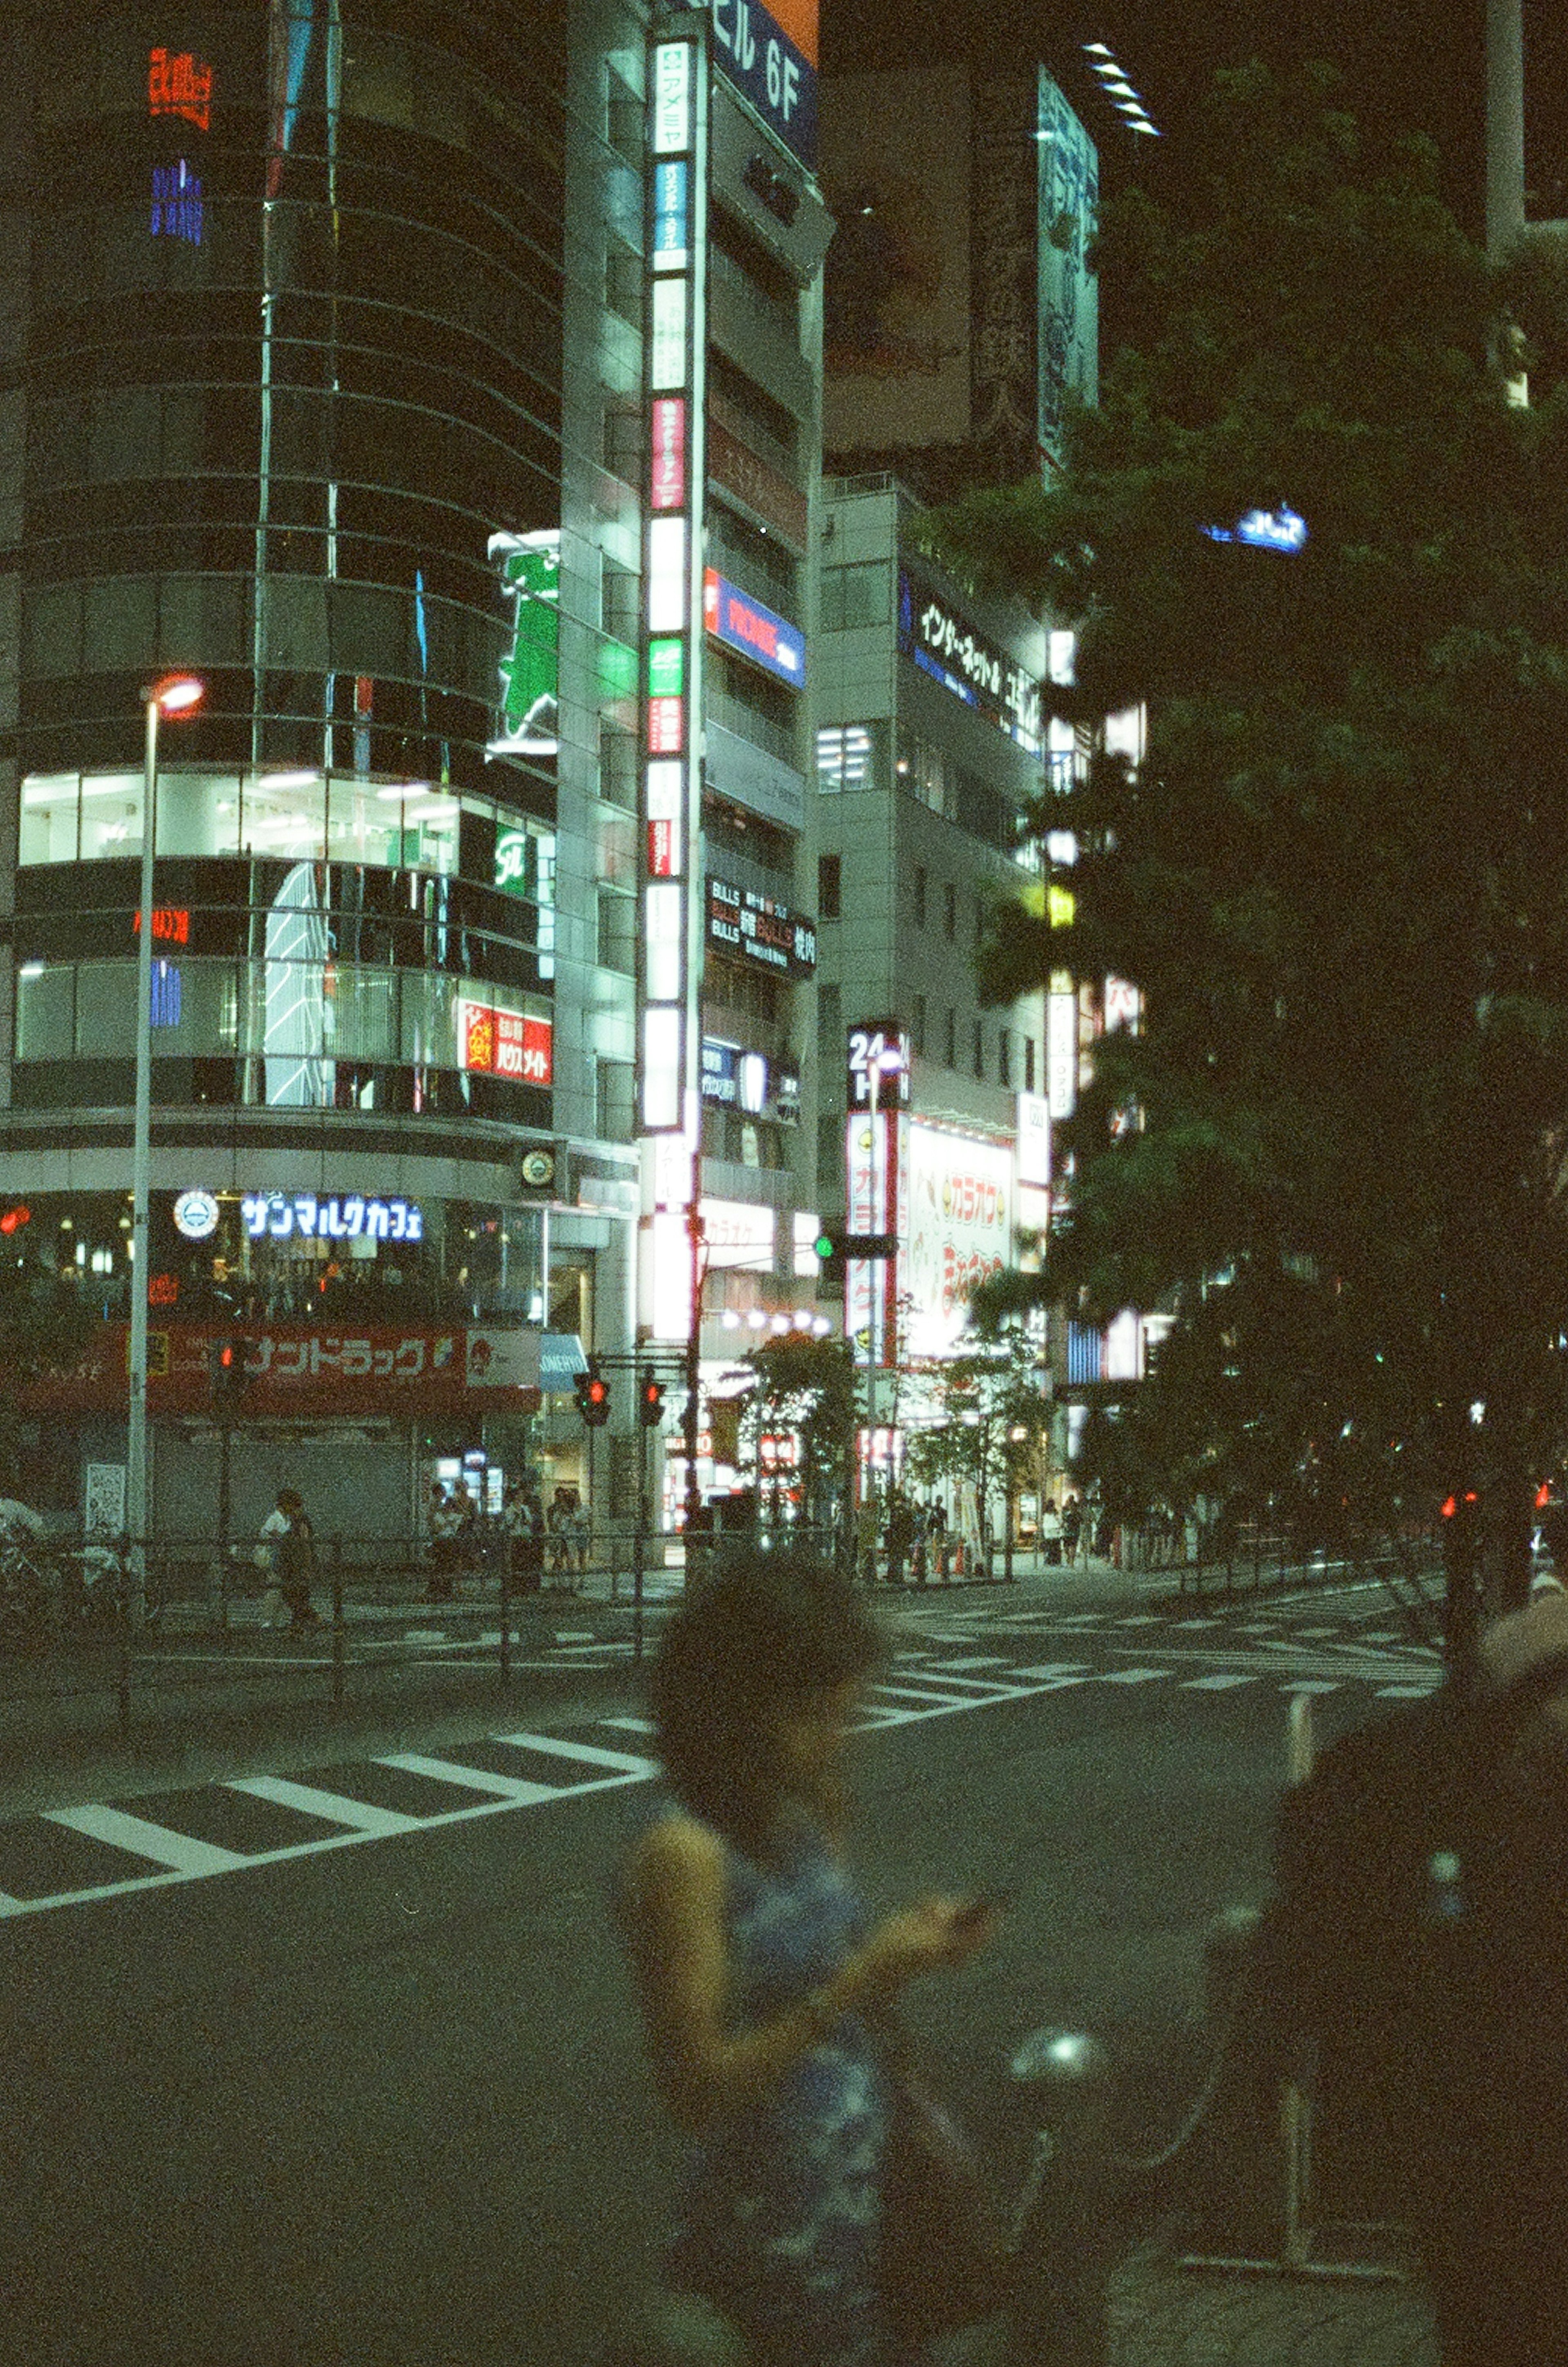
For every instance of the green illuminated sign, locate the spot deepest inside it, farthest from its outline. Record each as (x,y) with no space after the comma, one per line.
(666,669)
(530,670)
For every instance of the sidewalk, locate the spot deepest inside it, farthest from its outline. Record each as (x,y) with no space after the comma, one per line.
(1162,2315)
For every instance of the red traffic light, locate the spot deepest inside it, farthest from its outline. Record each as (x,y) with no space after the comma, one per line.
(593,1393)
(650,1402)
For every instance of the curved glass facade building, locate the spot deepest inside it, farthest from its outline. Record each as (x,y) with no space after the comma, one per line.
(288,311)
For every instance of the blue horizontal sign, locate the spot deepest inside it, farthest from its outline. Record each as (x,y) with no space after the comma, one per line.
(752,50)
(743,623)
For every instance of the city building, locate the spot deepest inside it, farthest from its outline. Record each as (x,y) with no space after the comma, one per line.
(932,1113)
(728,940)
(320,378)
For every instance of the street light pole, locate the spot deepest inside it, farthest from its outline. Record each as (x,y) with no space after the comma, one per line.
(175,694)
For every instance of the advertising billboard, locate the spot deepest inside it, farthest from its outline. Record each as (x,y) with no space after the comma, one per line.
(896,287)
(961,1231)
(1069,295)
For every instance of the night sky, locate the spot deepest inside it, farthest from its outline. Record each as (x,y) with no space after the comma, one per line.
(1409,64)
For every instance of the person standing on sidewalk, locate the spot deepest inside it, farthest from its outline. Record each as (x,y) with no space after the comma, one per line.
(297,1560)
(523,1522)
(1419,1937)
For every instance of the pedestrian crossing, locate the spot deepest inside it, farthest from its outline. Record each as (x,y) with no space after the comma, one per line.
(77,1855)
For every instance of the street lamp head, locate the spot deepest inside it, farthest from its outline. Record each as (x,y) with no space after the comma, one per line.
(175,693)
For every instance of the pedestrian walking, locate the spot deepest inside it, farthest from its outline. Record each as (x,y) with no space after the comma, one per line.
(900,1538)
(1072,1529)
(523,1527)
(295,1551)
(579,1536)
(1419,1940)
(558,1533)
(1051,1533)
(763,1989)
(446,1546)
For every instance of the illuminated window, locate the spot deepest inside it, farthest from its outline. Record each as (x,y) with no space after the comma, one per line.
(843,757)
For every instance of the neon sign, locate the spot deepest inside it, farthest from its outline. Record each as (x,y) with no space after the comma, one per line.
(171,925)
(181,85)
(276,1217)
(1280,529)
(177,210)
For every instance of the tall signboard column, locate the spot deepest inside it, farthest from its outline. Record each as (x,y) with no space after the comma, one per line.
(670,981)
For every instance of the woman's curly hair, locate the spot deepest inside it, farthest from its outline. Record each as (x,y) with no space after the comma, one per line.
(763,1638)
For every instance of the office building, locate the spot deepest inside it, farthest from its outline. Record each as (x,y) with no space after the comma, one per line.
(321,373)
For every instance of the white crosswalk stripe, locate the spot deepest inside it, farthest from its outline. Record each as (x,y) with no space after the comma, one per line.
(1223,1682)
(180,1851)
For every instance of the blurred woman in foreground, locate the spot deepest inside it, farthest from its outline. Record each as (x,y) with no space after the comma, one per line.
(762,1988)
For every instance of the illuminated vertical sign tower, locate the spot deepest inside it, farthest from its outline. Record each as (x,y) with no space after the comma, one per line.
(671,981)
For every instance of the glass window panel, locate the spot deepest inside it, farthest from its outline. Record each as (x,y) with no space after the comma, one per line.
(198,813)
(429,1021)
(285,814)
(430,822)
(46,1014)
(125,433)
(51,804)
(362,1014)
(111,815)
(202,621)
(106,1009)
(120,624)
(361,826)
(53,615)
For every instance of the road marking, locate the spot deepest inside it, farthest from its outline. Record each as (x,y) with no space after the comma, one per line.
(630,1725)
(1311,1685)
(335,1806)
(1308,1634)
(926,1693)
(1182,1625)
(590,1753)
(1052,1669)
(974,1661)
(1141,1619)
(474,1779)
(1213,1684)
(1406,1693)
(1133,1676)
(159,1842)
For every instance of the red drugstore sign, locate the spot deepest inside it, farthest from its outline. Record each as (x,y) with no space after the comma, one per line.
(505,1044)
(180,85)
(305,1370)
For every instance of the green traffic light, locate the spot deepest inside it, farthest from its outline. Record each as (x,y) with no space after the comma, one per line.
(823,1245)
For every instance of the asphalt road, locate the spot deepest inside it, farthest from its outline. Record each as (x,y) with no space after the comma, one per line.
(297,2075)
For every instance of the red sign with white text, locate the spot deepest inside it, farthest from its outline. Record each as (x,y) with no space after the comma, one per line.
(667,488)
(314,1370)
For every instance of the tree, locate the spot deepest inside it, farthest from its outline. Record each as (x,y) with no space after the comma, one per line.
(990,1418)
(1339,875)
(808,1386)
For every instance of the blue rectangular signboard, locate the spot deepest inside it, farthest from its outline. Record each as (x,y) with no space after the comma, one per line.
(743,623)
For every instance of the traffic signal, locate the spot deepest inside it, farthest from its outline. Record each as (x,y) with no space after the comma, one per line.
(228,1381)
(650,1402)
(592,1394)
(836,1248)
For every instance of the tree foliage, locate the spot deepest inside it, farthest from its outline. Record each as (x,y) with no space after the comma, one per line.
(1340,872)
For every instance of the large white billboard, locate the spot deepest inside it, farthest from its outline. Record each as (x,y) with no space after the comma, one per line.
(961,1231)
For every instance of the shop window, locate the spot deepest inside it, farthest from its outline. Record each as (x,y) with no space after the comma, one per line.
(106,1009)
